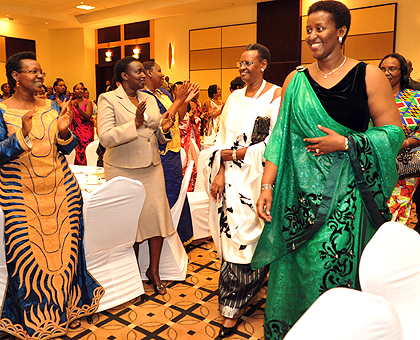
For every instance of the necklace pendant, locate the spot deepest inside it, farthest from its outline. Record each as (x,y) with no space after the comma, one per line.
(325,76)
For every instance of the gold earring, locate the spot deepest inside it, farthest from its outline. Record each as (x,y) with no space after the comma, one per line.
(17,84)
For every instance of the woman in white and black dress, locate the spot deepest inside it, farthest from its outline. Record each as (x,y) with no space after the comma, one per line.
(234,168)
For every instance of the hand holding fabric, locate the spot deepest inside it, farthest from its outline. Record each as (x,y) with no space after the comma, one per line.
(332,142)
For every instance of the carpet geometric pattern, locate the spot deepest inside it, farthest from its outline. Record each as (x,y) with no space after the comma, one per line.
(189,310)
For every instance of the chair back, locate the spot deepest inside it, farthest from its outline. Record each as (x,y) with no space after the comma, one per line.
(71,156)
(91,155)
(348,314)
(199,182)
(111,216)
(390,267)
(176,209)
(183,156)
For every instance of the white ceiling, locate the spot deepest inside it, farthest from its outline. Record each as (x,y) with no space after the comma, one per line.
(61,14)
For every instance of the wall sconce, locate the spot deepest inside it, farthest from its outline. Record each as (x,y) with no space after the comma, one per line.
(108,56)
(171,58)
(136,52)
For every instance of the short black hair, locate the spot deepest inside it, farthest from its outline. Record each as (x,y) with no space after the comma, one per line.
(340,14)
(122,66)
(148,65)
(212,90)
(14,64)
(263,52)
(2,87)
(403,66)
(237,83)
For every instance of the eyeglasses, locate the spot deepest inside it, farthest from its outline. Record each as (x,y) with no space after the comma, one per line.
(390,70)
(35,73)
(244,63)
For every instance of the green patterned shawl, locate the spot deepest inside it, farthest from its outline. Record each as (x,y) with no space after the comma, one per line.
(308,189)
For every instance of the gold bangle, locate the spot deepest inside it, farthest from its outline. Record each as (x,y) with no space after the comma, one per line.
(407,143)
(346,143)
(266,187)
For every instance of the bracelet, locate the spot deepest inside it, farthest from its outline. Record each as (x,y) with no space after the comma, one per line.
(346,143)
(266,187)
(407,143)
(234,155)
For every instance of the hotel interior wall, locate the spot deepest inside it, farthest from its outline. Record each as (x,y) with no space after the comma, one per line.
(70,53)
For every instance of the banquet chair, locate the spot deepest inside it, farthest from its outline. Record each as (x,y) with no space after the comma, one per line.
(199,202)
(173,259)
(348,314)
(3,267)
(91,155)
(111,216)
(195,151)
(390,267)
(183,156)
(71,156)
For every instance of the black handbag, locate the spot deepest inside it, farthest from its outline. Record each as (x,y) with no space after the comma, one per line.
(261,129)
(408,163)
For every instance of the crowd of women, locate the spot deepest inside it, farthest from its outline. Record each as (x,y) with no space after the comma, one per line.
(300,177)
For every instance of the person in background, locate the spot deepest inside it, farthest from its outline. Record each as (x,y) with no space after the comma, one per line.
(5,89)
(170,152)
(86,95)
(325,187)
(412,84)
(236,84)
(395,69)
(50,91)
(189,129)
(48,286)
(60,90)
(82,125)
(107,85)
(43,93)
(233,170)
(213,109)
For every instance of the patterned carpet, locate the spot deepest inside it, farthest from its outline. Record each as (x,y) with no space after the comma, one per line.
(188,311)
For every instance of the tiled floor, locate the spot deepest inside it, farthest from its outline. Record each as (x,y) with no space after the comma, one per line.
(188,311)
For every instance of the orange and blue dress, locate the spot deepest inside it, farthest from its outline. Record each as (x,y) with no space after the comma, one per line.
(48,284)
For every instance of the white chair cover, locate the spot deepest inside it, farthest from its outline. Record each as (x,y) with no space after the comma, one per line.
(183,156)
(199,202)
(3,267)
(91,155)
(173,259)
(390,267)
(111,216)
(195,151)
(71,156)
(347,314)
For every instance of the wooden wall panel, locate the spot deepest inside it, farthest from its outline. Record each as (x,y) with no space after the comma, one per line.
(206,38)
(228,75)
(239,35)
(231,55)
(3,49)
(206,78)
(369,46)
(206,59)
(373,19)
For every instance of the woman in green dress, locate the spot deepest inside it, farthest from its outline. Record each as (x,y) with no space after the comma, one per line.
(333,175)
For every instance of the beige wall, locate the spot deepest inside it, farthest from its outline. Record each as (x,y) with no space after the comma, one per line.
(407,21)
(73,58)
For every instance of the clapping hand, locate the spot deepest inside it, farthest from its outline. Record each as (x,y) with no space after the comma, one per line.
(27,121)
(141,108)
(167,121)
(194,89)
(65,119)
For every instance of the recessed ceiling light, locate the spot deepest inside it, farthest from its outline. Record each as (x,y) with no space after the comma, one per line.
(86,7)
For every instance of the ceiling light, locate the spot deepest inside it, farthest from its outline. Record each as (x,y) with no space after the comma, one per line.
(86,7)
